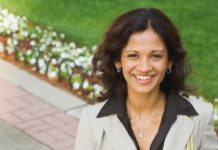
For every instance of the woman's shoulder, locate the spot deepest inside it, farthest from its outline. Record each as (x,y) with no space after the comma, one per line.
(201,105)
(93,110)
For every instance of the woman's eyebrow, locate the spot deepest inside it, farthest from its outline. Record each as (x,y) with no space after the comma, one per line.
(159,50)
(131,50)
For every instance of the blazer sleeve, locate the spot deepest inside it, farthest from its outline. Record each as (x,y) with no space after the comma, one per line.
(84,139)
(209,138)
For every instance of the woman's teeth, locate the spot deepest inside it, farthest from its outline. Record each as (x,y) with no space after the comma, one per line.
(144,78)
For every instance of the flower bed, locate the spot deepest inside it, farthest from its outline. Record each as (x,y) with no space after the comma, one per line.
(46,54)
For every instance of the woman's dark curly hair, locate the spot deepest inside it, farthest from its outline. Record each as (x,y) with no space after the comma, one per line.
(117,37)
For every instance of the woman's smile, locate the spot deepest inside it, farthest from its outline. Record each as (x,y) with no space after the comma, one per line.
(143,78)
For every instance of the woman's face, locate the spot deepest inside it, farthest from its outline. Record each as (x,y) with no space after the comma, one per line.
(144,61)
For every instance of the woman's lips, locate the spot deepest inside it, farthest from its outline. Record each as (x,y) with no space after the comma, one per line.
(143,78)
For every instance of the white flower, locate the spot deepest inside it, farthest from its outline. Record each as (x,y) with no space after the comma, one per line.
(10,49)
(42,48)
(89,59)
(89,72)
(38,28)
(85,84)
(76,85)
(33,61)
(42,70)
(52,74)
(77,62)
(46,58)
(94,47)
(63,67)
(62,35)
(79,50)
(33,35)
(29,51)
(85,66)
(12,18)
(14,27)
(41,63)
(80,61)
(5,12)
(15,42)
(97,88)
(71,65)
(9,41)
(56,43)
(21,58)
(24,33)
(36,54)
(53,61)
(32,43)
(54,34)
(63,55)
(72,45)
(5,23)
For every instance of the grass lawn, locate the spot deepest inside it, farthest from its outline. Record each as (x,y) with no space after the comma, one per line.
(86,21)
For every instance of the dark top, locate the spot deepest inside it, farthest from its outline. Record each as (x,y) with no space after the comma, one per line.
(175,105)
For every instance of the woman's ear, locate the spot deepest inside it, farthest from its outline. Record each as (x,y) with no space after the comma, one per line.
(170,64)
(117,64)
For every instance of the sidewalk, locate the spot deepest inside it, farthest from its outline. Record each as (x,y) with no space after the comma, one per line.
(14,139)
(34,115)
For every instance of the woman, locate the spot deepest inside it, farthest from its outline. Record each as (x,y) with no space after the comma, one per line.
(142,65)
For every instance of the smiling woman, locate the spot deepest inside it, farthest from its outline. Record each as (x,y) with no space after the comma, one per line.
(142,65)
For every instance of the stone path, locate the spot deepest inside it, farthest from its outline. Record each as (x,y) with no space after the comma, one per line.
(13,139)
(37,118)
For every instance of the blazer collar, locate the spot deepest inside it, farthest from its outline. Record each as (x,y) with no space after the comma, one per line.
(114,105)
(176,104)
(176,138)
(179,133)
(117,134)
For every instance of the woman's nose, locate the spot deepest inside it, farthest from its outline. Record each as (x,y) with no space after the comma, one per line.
(144,65)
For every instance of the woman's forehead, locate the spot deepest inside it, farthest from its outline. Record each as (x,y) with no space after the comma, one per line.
(146,40)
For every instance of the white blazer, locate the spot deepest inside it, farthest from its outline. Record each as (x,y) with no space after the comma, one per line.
(108,133)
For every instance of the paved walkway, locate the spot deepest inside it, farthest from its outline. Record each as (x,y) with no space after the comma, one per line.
(34,113)
(13,139)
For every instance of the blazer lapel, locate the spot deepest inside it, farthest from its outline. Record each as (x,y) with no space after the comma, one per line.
(117,134)
(179,133)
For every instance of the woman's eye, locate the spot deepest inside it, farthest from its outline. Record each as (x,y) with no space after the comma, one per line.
(156,56)
(132,55)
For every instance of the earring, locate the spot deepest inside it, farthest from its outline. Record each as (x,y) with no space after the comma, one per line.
(169,70)
(118,70)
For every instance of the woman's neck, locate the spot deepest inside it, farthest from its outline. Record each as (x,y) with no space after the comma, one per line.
(146,104)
